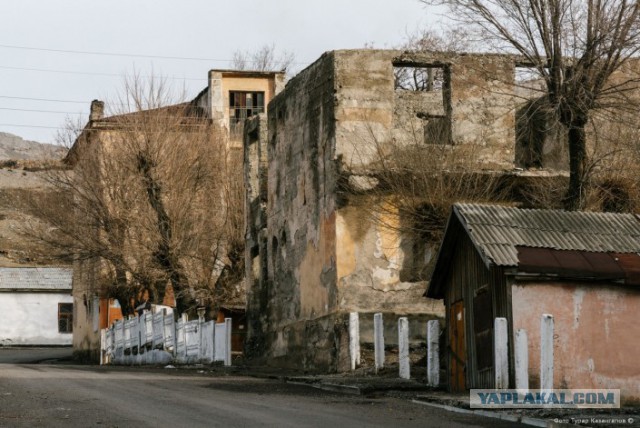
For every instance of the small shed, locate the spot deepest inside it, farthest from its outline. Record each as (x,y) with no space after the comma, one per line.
(36,306)
(581,267)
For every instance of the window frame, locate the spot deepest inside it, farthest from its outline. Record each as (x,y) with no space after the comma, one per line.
(66,316)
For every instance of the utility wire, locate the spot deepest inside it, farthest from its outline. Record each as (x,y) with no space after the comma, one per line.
(43,99)
(88,73)
(111,53)
(180,58)
(30,126)
(41,111)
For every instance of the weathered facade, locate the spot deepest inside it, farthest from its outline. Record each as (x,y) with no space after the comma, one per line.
(593,324)
(314,253)
(580,267)
(229,98)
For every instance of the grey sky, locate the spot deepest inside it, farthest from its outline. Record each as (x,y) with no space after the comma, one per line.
(188,28)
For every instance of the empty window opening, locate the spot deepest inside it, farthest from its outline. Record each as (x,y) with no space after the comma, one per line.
(423,107)
(241,106)
(65,317)
(419,78)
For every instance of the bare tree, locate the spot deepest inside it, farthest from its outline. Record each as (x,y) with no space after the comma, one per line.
(150,206)
(266,58)
(576,47)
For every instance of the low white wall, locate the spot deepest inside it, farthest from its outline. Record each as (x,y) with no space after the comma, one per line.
(31,318)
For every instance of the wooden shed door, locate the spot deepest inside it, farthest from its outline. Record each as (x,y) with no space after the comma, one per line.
(458,353)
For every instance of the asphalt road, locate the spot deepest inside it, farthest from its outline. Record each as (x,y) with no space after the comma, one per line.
(44,395)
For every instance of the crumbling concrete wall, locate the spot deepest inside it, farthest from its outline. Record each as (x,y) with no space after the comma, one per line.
(292,239)
(255,179)
(314,252)
(370,258)
(483,106)
(474,101)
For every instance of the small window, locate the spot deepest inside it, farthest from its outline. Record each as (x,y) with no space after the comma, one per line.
(241,106)
(65,317)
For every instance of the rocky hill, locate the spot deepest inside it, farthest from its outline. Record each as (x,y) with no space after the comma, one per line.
(24,166)
(13,147)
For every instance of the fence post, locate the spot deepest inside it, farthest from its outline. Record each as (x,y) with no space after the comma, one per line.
(103,346)
(501,353)
(118,332)
(354,339)
(403,348)
(201,347)
(546,351)
(433,353)
(378,341)
(168,332)
(227,332)
(521,350)
(128,342)
(138,339)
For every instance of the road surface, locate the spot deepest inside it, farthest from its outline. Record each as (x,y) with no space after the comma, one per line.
(45,395)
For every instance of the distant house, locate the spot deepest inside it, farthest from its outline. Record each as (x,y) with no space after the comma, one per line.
(581,267)
(36,306)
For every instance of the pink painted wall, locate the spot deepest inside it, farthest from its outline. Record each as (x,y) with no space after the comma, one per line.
(596,335)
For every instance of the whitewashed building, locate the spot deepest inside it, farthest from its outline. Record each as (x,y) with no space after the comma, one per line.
(36,306)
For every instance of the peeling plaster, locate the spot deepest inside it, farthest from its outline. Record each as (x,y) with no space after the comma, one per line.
(578,297)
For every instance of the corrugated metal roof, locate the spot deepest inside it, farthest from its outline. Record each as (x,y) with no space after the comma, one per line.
(497,230)
(35,278)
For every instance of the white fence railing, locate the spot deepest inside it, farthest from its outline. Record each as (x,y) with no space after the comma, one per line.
(156,338)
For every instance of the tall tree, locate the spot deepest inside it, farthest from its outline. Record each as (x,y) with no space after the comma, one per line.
(151,200)
(577,47)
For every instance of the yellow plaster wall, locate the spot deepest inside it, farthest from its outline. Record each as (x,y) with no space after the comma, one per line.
(248,84)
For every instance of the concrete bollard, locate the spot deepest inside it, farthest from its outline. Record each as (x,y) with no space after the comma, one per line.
(227,332)
(546,351)
(433,353)
(403,348)
(378,341)
(354,339)
(522,359)
(501,353)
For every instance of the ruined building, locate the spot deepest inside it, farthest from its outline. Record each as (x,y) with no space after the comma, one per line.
(159,203)
(314,253)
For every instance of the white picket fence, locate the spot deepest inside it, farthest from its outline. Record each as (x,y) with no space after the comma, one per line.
(156,338)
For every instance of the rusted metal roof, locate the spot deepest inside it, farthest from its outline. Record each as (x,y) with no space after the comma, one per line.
(543,243)
(35,279)
(497,231)
(624,268)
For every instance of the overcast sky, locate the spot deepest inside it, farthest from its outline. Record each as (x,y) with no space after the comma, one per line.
(206,29)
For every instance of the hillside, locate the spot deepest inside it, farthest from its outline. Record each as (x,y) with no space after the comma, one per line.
(24,169)
(16,148)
